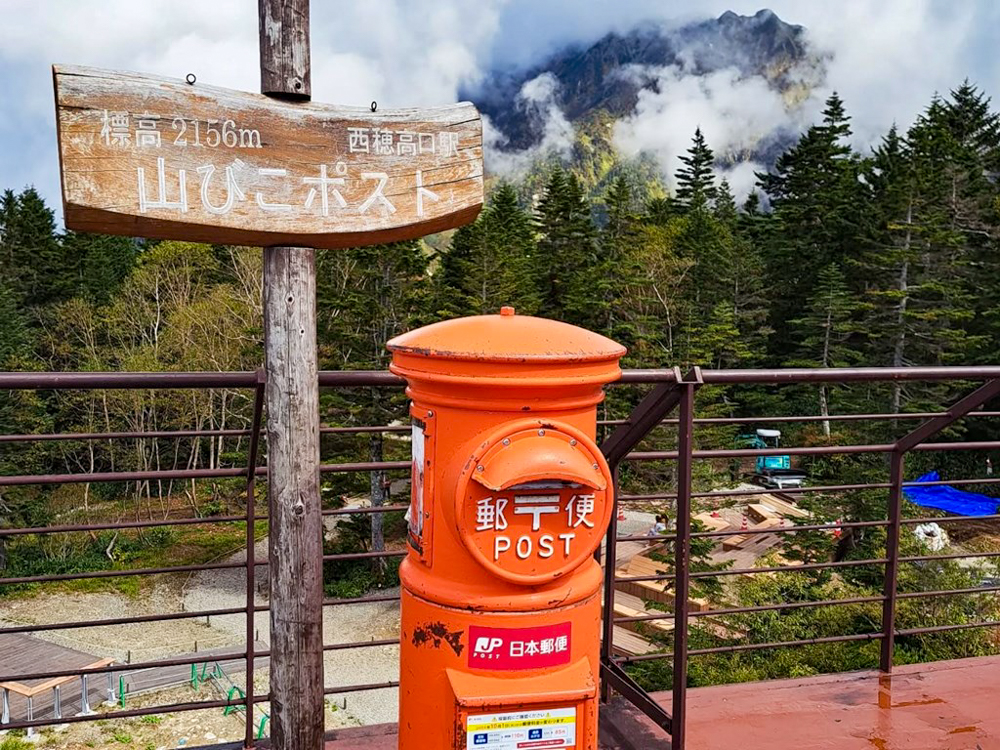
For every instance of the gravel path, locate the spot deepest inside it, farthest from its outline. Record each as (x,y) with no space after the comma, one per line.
(221,589)
(139,641)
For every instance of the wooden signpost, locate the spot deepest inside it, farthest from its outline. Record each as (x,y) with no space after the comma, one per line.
(169,159)
(157,157)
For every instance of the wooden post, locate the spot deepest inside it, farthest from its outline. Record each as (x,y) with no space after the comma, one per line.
(284,49)
(292,394)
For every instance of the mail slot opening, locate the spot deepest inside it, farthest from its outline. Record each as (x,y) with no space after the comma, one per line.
(535,502)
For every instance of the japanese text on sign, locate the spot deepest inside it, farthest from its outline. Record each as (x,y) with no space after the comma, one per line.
(321,192)
(491,515)
(522,730)
(156,157)
(519,648)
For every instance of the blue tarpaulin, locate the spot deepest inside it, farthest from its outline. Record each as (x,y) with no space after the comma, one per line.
(946,498)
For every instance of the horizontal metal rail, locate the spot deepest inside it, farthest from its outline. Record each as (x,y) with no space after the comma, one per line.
(125,573)
(364,555)
(780,606)
(749,571)
(792,375)
(947,628)
(812,450)
(366,510)
(360,644)
(165,475)
(121,525)
(361,600)
(73,625)
(954,556)
(876,417)
(198,521)
(361,378)
(405,429)
(129,713)
(758,608)
(360,688)
(133,667)
(947,592)
(751,531)
(785,644)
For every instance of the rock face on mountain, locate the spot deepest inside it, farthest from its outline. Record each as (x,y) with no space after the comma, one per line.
(609,74)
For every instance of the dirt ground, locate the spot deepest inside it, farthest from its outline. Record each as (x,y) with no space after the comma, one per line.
(213,589)
(341,624)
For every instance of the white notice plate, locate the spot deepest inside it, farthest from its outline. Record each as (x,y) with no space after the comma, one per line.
(522,730)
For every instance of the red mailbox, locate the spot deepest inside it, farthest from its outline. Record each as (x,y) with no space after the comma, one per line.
(501,605)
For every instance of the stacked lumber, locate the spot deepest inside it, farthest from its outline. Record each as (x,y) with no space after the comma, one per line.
(783,507)
(629,643)
(712,523)
(655,591)
(760,512)
(740,541)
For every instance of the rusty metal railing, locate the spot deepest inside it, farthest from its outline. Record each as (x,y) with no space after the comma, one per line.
(670,390)
(677,391)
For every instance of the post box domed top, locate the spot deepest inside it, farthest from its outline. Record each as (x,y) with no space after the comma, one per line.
(507,338)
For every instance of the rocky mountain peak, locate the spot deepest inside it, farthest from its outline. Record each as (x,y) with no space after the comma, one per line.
(606,75)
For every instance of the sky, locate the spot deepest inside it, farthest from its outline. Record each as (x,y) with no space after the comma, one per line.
(886,59)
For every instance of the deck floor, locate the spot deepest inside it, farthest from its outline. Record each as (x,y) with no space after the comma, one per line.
(952,705)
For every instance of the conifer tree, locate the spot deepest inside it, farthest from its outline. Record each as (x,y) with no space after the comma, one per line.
(488,263)
(826,330)
(14,337)
(695,180)
(821,217)
(35,265)
(615,267)
(567,250)
(366,296)
(103,262)
(893,255)
(660,211)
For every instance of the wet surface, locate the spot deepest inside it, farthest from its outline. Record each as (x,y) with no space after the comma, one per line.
(953,705)
(944,706)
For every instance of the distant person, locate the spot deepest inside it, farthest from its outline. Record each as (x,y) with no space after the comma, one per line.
(659,527)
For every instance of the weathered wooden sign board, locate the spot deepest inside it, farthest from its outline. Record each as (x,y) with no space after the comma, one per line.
(157,157)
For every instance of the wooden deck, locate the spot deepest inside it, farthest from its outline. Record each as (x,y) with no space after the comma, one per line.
(26,654)
(949,705)
(22,653)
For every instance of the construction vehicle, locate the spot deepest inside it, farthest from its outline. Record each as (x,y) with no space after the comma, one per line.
(773,472)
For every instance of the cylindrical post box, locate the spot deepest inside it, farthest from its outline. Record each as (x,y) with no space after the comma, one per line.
(501,606)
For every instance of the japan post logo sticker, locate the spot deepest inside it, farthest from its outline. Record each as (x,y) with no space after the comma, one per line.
(519,648)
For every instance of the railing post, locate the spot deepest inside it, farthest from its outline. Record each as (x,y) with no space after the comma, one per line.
(112,698)
(56,702)
(682,563)
(892,560)
(30,731)
(85,709)
(5,712)
(610,555)
(251,543)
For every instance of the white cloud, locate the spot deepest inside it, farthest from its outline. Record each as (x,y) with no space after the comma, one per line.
(733,112)
(538,99)
(889,57)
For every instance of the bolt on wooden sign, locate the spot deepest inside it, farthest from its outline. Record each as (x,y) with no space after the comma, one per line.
(157,157)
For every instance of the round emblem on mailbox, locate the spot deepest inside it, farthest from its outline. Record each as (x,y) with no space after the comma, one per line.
(534,501)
